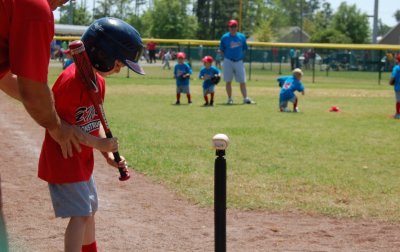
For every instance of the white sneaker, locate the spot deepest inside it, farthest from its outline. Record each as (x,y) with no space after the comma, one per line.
(247,100)
(296,109)
(230,101)
(285,110)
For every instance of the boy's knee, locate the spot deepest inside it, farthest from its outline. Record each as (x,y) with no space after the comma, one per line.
(82,218)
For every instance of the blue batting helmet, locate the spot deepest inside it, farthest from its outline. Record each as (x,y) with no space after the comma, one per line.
(108,39)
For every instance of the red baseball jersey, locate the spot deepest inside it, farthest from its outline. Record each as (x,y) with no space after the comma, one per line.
(74,106)
(26,31)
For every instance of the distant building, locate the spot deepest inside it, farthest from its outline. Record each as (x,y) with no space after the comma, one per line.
(392,37)
(69,30)
(292,34)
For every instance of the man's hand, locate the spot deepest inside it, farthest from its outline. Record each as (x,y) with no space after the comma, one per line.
(9,85)
(101,144)
(110,160)
(68,137)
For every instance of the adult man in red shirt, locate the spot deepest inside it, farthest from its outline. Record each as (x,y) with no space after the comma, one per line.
(151,48)
(26,31)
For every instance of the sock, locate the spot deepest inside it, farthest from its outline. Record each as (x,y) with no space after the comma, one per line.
(397,107)
(295,105)
(206,98)
(178,96)
(189,98)
(212,96)
(90,248)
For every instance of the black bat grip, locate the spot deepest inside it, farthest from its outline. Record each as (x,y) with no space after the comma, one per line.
(123,174)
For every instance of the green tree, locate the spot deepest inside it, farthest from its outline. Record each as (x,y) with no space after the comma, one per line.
(213,16)
(285,13)
(80,15)
(138,19)
(382,28)
(349,21)
(203,9)
(170,19)
(330,36)
(252,16)
(264,32)
(103,8)
(322,33)
(297,10)
(141,23)
(123,9)
(138,6)
(397,16)
(323,17)
(272,19)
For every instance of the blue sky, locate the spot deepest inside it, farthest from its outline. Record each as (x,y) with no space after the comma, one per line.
(386,8)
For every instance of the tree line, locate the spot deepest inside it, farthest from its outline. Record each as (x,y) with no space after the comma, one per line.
(263,20)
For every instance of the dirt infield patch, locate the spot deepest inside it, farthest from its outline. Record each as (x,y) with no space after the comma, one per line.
(140,215)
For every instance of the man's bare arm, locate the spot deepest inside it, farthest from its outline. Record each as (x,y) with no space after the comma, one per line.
(9,85)
(38,101)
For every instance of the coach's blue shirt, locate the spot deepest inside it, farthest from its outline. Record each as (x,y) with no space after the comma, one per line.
(208,72)
(290,85)
(182,69)
(396,76)
(233,46)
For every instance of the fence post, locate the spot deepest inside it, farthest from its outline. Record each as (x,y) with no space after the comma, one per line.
(251,53)
(280,64)
(189,58)
(380,67)
(313,66)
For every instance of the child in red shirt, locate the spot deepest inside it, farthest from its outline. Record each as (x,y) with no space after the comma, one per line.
(71,181)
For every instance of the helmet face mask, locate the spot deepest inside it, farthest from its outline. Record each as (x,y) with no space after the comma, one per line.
(111,39)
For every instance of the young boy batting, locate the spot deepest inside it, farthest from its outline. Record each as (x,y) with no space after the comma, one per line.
(182,72)
(207,74)
(71,181)
(290,84)
(395,81)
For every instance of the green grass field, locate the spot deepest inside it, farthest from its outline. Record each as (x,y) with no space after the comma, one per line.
(335,164)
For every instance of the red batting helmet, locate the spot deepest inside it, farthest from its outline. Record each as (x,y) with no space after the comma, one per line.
(207,59)
(232,22)
(181,55)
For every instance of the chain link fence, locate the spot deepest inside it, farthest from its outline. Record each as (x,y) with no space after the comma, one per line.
(277,57)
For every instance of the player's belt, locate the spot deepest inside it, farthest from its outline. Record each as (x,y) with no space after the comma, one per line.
(234,60)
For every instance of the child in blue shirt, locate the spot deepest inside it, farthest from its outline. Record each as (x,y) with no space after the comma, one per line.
(68,59)
(206,73)
(290,84)
(395,81)
(182,72)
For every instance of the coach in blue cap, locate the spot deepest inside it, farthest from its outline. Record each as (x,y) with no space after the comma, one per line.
(233,45)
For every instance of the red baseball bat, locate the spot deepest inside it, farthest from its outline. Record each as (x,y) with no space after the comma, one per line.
(85,70)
